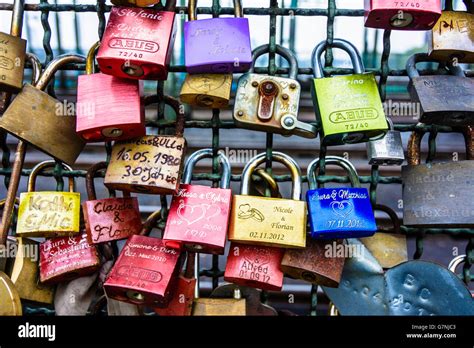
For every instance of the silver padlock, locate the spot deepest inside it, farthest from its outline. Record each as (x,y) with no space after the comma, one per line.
(388,150)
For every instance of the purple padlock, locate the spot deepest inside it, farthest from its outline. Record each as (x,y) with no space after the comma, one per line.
(217,45)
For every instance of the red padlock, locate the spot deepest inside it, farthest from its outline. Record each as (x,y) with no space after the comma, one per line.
(110,218)
(67,258)
(138,42)
(402,15)
(146,270)
(108,107)
(199,215)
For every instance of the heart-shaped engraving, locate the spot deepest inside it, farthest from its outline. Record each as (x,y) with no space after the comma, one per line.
(342,208)
(191,213)
(212,212)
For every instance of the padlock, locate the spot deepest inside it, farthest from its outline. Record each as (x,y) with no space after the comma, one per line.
(443,99)
(348,107)
(146,270)
(269,221)
(199,216)
(108,107)
(269,103)
(135,3)
(66,258)
(319,263)
(217,45)
(436,194)
(339,212)
(12,52)
(401,15)
(388,150)
(181,304)
(389,248)
(452,37)
(42,121)
(138,42)
(109,219)
(48,213)
(210,91)
(10,303)
(149,164)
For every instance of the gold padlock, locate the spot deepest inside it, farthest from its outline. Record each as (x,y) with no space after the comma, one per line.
(48,213)
(10,303)
(210,91)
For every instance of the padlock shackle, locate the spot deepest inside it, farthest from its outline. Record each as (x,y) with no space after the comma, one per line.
(43,165)
(35,67)
(468,133)
(390,123)
(272,184)
(391,214)
(336,160)
(412,72)
(454,263)
(175,104)
(282,51)
(90,59)
(150,223)
(318,70)
(190,265)
(54,66)
(196,274)
(90,185)
(192,9)
(414,148)
(207,153)
(286,160)
(17,18)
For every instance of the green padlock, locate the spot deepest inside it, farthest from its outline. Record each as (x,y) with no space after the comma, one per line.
(348,107)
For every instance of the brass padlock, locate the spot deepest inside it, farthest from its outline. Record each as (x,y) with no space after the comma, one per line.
(389,248)
(10,303)
(210,91)
(48,213)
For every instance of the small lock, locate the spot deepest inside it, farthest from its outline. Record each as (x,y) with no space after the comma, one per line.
(48,213)
(199,216)
(348,107)
(270,103)
(387,150)
(339,212)
(211,91)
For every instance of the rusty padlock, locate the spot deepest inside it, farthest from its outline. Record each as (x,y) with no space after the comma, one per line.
(199,216)
(108,107)
(138,42)
(146,270)
(112,218)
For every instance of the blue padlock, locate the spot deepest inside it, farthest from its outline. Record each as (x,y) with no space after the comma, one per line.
(339,212)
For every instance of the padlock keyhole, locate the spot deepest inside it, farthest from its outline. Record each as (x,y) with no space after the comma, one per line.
(268,92)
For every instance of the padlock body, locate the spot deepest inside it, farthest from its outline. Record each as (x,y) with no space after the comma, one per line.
(144,273)
(111,219)
(387,150)
(12,62)
(198,218)
(390,249)
(10,303)
(66,258)
(340,213)
(444,99)
(109,108)
(137,43)
(268,221)
(453,37)
(42,121)
(349,109)
(254,266)
(150,164)
(48,214)
(438,194)
(207,90)
(402,15)
(181,304)
(217,45)
(321,262)
(219,307)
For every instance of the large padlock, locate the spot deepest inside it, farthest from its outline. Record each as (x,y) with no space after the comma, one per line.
(138,42)
(452,37)
(41,120)
(388,150)
(217,45)
(66,258)
(269,103)
(146,270)
(443,99)
(339,212)
(12,52)
(112,218)
(199,216)
(108,107)
(348,107)
(436,194)
(388,247)
(149,164)
(48,213)
(210,91)
(401,15)
(269,221)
